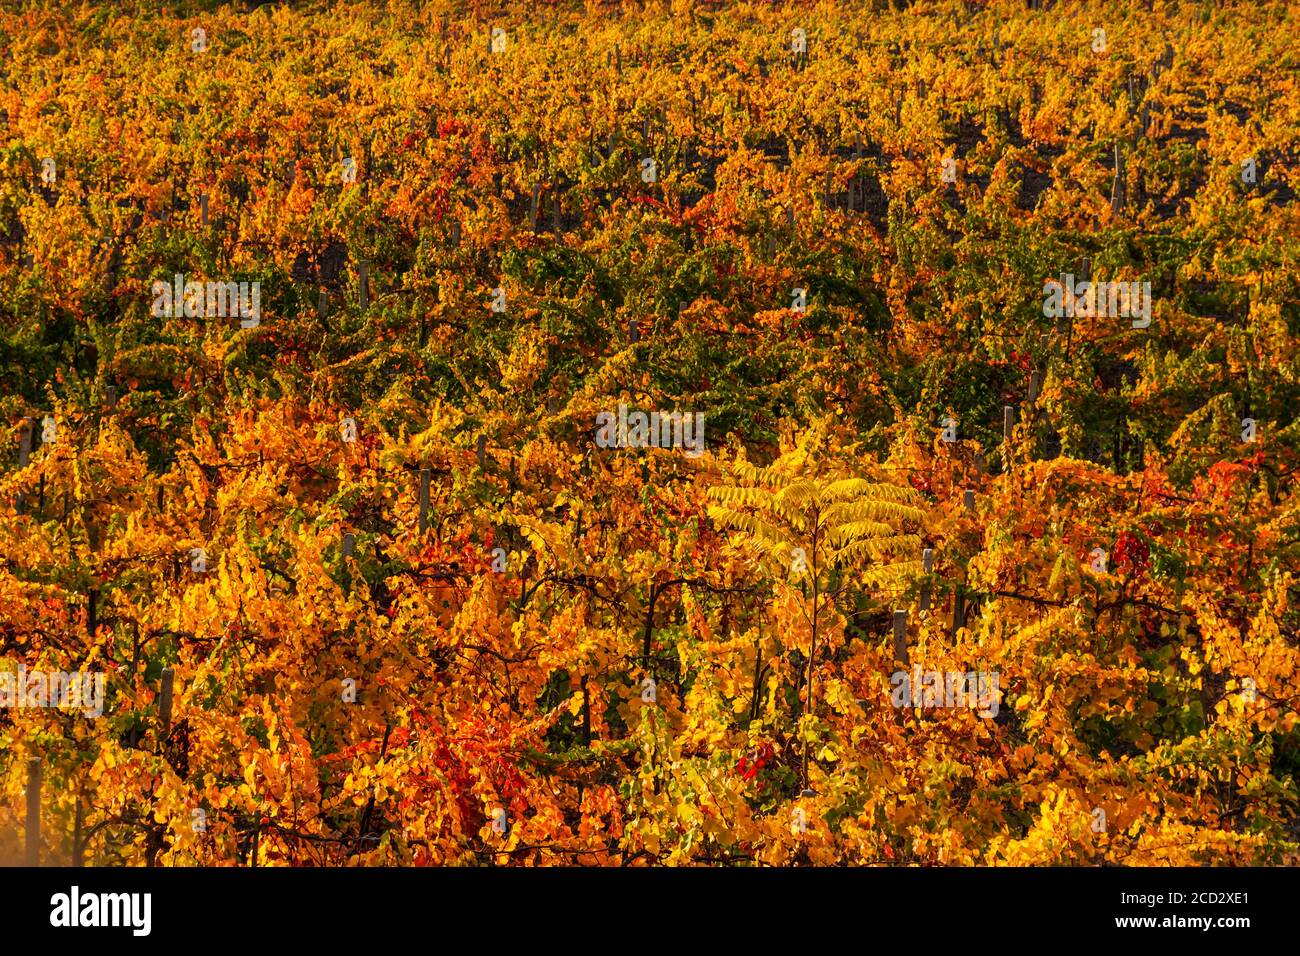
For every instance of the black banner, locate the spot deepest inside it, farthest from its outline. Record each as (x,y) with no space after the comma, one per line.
(258,906)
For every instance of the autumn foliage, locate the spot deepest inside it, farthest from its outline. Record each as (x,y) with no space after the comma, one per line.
(581,655)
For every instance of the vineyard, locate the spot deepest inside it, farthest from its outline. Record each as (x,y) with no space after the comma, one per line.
(679,433)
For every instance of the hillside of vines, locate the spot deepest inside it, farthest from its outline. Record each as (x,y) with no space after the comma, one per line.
(525,434)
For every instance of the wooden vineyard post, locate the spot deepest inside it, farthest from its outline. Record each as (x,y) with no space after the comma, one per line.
(162,488)
(1066,318)
(348,547)
(927,566)
(1031,400)
(1117,187)
(425,475)
(900,637)
(24,456)
(34,812)
(1008,422)
(958,610)
(165,703)
(25,443)
(78,832)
